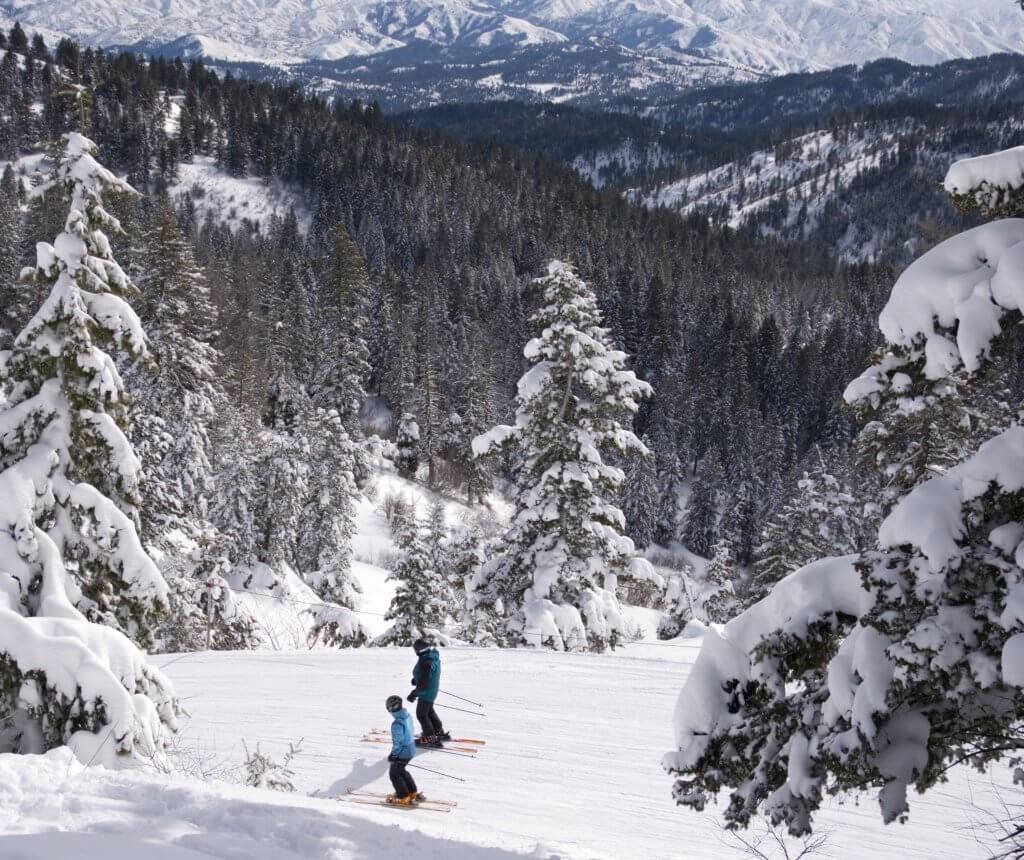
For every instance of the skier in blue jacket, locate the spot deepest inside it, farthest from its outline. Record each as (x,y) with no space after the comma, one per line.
(403,748)
(426,679)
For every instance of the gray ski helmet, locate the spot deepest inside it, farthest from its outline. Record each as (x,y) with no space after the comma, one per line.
(420,645)
(394,703)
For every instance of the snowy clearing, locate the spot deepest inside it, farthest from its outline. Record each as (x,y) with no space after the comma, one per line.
(570,768)
(235,200)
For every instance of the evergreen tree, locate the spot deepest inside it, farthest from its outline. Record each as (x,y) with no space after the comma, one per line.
(822,519)
(407,444)
(324,555)
(13,300)
(78,400)
(347,294)
(556,579)
(68,483)
(438,539)
(174,408)
(719,598)
(889,666)
(701,529)
(17,41)
(666,517)
(640,498)
(423,601)
(678,607)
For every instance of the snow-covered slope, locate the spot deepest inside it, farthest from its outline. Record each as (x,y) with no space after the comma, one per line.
(570,770)
(804,172)
(770,35)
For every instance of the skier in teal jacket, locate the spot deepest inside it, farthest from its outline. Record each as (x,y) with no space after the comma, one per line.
(426,679)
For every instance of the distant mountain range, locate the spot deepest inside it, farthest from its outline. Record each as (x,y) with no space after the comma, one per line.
(738,38)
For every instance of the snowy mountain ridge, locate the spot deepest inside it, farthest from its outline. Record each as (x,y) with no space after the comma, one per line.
(774,36)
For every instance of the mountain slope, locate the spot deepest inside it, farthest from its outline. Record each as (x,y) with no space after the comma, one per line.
(767,35)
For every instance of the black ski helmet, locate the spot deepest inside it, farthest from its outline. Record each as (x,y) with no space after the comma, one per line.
(393,704)
(420,645)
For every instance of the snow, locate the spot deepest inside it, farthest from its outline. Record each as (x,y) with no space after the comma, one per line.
(746,187)
(951,286)
(236,200)
(930,517)
(776,36)
(964,284)
(570,770)
(986,175)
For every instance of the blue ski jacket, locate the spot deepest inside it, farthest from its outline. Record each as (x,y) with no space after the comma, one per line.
(426,675)
(403,739)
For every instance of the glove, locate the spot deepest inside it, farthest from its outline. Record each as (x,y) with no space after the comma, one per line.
(412,696)
(392,757)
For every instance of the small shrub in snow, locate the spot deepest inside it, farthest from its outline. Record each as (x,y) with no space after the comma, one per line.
(262,771)
(396,509)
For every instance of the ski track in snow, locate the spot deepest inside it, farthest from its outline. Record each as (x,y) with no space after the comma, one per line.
(571,769)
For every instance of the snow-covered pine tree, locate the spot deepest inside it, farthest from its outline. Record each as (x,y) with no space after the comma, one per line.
(438,539)
(701,528)
(475,414)
(423,603)
(325,539)
(666,517)
(346,284)
(640,497)
(678,605)
(407,444)
(887,667)
(283,468)
(69,549)
(718,599)
(555,581)
(821,519)
(173,409)
(466,554)
(13,305)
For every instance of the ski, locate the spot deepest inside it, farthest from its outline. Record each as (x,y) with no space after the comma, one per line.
(354,792)
(464,752)
(375,799)
(366,801)
(453,740)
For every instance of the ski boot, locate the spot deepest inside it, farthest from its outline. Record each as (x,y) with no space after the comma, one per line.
(430,742)
(444,736)
(395,800)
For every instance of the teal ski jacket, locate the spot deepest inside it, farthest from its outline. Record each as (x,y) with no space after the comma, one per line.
(426,675)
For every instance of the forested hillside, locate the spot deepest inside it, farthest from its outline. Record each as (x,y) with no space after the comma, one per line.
(742,338)
(849,159)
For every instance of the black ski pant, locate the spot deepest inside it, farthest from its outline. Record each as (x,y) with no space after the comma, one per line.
(430,722)
(401,779)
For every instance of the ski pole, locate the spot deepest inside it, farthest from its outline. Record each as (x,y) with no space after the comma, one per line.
(469,701)
(428,770)
(462,710)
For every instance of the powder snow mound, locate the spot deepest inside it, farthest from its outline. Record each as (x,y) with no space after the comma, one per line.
(775,36)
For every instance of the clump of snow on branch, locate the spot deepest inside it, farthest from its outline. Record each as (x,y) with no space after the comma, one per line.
(988,180)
